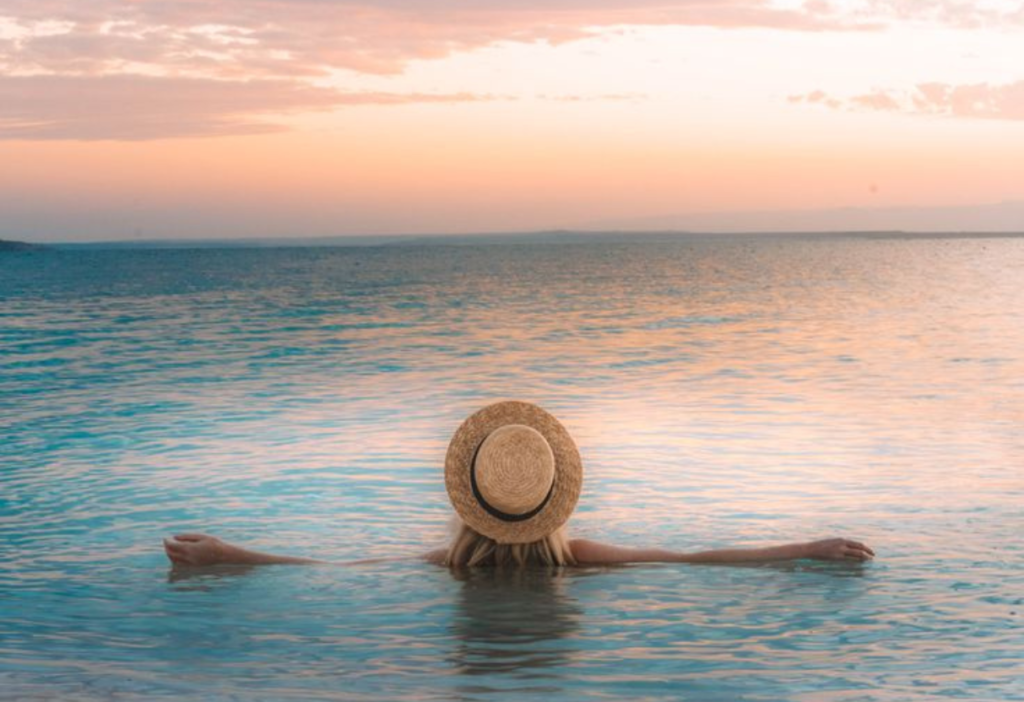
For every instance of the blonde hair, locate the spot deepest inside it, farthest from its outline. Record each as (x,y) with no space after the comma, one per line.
(470,548)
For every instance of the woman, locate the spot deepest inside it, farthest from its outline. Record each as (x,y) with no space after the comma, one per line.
(513,475)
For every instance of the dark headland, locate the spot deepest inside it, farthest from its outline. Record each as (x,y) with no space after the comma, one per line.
(8,245)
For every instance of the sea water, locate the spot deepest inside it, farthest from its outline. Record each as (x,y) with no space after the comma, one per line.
(722,391)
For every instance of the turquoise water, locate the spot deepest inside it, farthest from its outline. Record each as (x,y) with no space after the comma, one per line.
(722,392)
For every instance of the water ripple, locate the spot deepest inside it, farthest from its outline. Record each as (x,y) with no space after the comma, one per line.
(721,391)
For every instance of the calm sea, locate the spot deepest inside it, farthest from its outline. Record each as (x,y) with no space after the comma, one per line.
(723,391)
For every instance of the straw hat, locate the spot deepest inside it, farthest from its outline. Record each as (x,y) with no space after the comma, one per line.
(512,472)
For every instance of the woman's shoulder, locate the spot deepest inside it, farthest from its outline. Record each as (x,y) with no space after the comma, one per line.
(436,557)
(588,551)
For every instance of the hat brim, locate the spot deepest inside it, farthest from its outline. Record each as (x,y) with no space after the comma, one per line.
(566,485)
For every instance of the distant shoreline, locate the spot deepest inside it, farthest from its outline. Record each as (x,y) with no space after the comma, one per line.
(538,237)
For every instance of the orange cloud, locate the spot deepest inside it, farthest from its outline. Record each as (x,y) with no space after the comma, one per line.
(876,100)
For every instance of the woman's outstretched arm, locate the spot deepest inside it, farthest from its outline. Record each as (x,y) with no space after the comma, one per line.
(593,553)
(204,550)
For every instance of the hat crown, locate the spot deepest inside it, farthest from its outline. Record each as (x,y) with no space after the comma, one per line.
(514,487)
(514,469)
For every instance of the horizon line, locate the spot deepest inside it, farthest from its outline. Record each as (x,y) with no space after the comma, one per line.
(532,236)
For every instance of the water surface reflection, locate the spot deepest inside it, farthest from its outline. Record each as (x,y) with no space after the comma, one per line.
(722,391)
(515,623)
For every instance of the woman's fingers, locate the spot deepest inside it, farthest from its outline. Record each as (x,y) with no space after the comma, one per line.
(856,554)
(177,552)
(862,547)
(855,551)
(175,558)
(190,537)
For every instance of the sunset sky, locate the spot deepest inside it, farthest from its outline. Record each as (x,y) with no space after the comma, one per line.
(123,119)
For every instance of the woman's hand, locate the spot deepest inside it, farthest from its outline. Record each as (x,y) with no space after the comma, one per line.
(199,550)
(838,550)
(203,550)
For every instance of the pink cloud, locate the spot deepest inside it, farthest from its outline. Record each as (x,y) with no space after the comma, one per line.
(278,38)
(302,37)
(974,100)
(982,100)
(815,97)
(949,13)
(604,97)
(270,49)
(137,69)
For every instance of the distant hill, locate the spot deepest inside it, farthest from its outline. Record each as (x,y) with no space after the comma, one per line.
(992,218)
(8,245)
